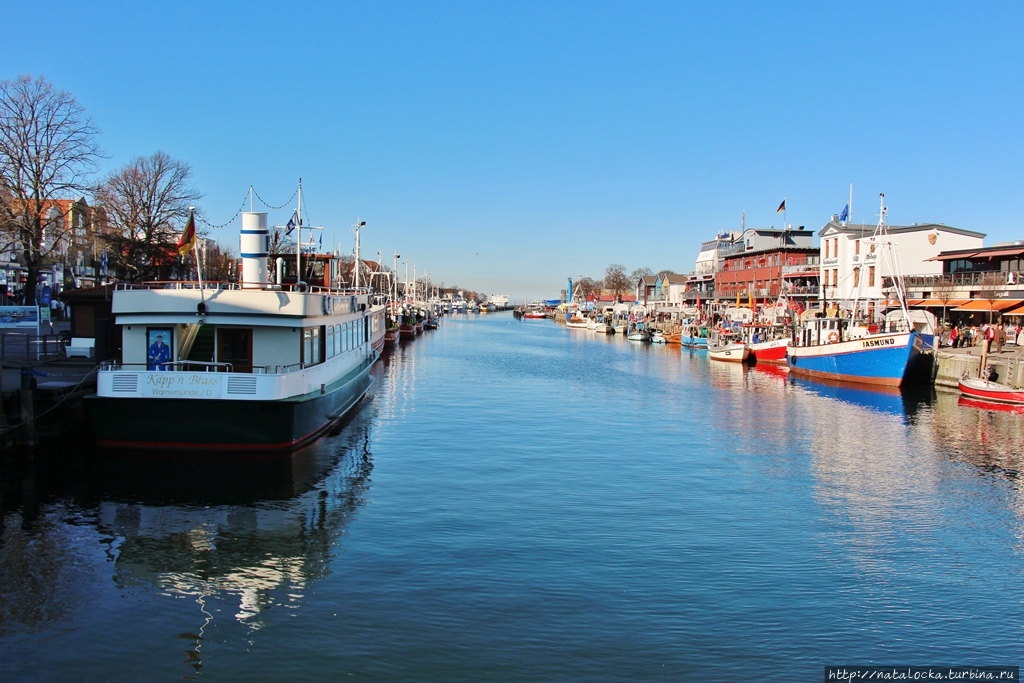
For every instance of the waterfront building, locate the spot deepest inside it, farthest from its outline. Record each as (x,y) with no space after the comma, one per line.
(972,282)
(767,262)
(769,273)
(854,266)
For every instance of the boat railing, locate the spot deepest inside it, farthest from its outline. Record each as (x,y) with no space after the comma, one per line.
(204,366)
(168,366)
(232,286)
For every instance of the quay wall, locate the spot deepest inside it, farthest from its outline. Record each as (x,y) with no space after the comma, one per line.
(949,367)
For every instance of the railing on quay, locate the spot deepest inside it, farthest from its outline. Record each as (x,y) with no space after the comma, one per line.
(31,346)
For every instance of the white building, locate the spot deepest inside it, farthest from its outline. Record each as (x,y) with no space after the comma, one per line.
(711,252)
(854,265)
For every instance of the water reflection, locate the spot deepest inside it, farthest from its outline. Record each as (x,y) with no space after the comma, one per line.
(236,536)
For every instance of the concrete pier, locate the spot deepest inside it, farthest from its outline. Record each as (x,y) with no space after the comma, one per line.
(951,364)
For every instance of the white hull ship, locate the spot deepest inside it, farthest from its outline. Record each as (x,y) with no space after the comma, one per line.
(253,366)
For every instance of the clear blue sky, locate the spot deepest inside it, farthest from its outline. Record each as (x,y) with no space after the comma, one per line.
(503,146)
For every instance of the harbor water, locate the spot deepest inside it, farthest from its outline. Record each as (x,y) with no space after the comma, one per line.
(517,501)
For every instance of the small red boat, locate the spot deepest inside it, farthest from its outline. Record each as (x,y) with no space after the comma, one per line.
(773,351)
(538,315)
(983,390)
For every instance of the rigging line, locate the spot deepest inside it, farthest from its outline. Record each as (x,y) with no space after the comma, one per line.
(271,206)
(230,220)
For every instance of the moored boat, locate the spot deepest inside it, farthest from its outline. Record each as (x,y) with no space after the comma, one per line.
(849,349)
(836,348)
(249,366)
(772,351)
(727,346)
(694,336)
(991,392)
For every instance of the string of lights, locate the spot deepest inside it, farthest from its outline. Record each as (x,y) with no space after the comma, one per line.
(271,206)
(229,221)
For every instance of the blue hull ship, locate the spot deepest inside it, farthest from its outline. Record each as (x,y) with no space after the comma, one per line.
(881,358)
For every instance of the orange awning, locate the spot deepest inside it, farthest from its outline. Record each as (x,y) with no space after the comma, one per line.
(982,305)
(928,303)
(1016,310)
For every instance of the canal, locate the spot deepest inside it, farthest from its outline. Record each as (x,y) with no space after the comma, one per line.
(522,502)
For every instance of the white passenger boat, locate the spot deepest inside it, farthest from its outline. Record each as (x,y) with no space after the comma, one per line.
(250,366)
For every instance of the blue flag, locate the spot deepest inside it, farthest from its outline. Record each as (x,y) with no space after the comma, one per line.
(292,222)
(845,214)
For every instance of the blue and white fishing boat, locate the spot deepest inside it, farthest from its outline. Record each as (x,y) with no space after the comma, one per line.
(851,350)
(690,336)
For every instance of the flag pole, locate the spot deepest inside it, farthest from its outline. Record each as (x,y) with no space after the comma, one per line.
(850,216)
(199,264)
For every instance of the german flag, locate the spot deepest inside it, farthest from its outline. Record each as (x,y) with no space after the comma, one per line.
(188,238)
(782,207)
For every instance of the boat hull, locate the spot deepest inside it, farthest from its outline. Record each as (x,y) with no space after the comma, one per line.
(992,392)
(733,353)
(179,424)
(772,352)
(882,359)
(694,342)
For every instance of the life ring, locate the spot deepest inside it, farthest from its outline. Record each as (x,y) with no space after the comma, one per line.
(833,337)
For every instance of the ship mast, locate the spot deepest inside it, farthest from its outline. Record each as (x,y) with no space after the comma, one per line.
(358,225)
(298,240)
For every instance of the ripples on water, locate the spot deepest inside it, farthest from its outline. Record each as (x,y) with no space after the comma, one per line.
(519,501)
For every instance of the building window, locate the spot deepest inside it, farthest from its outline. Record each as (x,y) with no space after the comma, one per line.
(835,276)
(826,248)
(856,247)
(856,275)
(871,276)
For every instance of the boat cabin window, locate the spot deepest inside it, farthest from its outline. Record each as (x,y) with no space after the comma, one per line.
(329,342)
(234,345)
(311,349)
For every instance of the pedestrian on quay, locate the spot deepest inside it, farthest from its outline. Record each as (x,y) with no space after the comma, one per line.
(1000,337)
(953,334)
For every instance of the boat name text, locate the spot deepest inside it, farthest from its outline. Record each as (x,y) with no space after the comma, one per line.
(875,343)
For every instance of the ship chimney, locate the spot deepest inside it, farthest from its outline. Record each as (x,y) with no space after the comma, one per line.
(254,244)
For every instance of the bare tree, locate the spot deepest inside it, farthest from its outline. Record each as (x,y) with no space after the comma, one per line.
(639,273)
(47,152)
(586,286)
(219,263)
(146,204)
(943,290)
(990,287)
(615,279)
